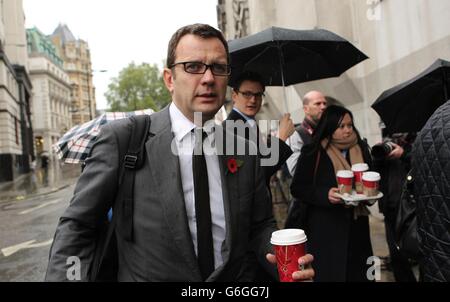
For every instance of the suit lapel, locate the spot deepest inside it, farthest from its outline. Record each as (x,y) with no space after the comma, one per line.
(165,169)
(236,116)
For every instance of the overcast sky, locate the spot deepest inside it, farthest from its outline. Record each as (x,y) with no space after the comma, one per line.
(119,31)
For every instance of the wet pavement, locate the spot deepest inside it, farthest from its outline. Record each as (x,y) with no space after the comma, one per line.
(30,208)
(26,233)
(41,181)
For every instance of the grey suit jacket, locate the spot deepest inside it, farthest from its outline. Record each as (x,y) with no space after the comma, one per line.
(162,249)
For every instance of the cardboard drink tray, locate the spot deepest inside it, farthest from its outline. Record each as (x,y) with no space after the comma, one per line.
(354,199)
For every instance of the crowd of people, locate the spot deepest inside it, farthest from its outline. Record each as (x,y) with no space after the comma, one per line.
(208,216)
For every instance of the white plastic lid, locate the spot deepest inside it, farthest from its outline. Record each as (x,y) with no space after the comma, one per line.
(371,176)
(288,237)
(345,174)
(360,167)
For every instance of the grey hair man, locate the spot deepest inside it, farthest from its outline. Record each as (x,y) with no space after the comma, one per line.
(314,104)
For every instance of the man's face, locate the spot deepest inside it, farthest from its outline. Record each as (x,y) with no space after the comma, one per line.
(192,93)
(315,107)
(248,99)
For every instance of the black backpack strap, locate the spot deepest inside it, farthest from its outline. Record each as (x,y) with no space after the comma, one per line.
(105,265)
(131,150)
(132,161)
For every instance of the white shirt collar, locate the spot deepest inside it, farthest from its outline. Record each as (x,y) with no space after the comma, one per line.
(249,120)
(182,126)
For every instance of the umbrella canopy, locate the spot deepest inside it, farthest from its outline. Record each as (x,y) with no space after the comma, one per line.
(285,56)
(75,146)
(407,106)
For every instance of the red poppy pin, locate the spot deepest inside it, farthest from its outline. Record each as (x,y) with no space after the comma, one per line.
(233,165)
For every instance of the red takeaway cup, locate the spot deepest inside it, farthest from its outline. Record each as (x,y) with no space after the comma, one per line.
(371,183)
(289,246)
(345,181)
(358,170)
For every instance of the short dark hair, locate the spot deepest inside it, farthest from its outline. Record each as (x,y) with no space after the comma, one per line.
(248,76)
(204,31)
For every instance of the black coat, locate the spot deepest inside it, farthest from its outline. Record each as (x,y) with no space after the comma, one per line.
(251,271)
(339,243)
(284,150)
(393,175)
(431,166)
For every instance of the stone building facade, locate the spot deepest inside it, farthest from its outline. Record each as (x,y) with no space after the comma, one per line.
(51,92)
(77,63)
(401,39)
(16,135)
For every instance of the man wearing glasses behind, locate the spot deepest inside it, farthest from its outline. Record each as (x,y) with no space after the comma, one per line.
(192,220)
(247,95)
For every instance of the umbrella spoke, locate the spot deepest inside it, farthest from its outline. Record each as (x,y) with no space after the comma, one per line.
(262,53)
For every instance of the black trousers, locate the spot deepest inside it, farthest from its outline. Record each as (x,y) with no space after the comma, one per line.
(401,266)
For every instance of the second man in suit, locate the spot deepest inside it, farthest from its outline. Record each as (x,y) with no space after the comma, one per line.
(247,95)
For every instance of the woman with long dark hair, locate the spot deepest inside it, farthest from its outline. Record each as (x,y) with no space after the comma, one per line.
(338,235)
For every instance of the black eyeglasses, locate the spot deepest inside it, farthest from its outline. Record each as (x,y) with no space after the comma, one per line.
(200,68)
(248,95)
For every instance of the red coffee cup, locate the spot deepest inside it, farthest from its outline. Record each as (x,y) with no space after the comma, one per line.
(370,183)
(345,181)
(358,170)
(289,246)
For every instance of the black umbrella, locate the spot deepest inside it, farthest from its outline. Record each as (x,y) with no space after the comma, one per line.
(285,56)
(407,106)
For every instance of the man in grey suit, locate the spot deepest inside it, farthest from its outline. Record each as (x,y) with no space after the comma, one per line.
(169,241)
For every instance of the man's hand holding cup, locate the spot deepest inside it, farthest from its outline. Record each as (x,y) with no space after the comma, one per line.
(291,259)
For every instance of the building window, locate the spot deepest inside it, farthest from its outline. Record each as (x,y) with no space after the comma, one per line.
(241,18)
(17,129)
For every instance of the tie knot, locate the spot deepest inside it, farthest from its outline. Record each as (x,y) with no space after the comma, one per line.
(200,136)
(251,122)
(199,133)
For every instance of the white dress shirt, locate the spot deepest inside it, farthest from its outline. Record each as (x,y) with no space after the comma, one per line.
(296,143)
(253,127)
(249,120)
(185,142)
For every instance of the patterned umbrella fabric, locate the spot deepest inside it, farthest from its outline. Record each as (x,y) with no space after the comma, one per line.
(75,146)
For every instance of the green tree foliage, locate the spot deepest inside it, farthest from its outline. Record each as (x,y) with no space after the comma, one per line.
(138,87)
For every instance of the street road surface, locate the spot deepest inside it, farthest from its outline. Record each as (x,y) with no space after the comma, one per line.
(27,228)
